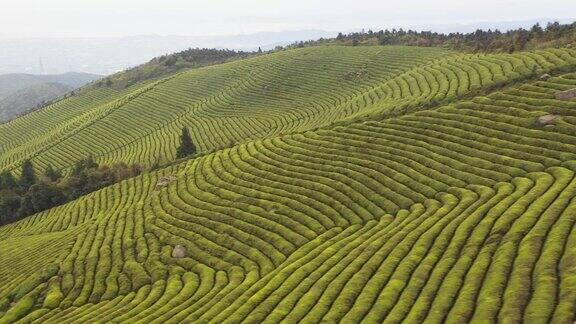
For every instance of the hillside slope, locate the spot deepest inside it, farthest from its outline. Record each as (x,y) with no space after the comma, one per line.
(223,104)
(262,97)
(458,213)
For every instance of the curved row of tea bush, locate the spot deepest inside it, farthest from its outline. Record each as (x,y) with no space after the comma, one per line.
(465,255)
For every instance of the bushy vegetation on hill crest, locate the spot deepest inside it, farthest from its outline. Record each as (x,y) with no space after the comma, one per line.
(481,41)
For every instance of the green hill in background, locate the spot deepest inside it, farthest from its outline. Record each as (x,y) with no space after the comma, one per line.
(22,93)
(30,98)
(10,83)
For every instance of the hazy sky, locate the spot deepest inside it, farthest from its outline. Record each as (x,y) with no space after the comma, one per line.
(88,18)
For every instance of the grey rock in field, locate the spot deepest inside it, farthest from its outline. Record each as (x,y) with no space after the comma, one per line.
(179,252)
(165,181)
(545,77)
(546,120)
(566,95)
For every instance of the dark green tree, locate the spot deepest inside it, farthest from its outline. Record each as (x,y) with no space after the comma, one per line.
(7,181)
(9,205)
(187,147)
(84,165)
(52,174)
(170,61)
(26,207)
(44,196)
(521,39)
(28,177)
(537,30)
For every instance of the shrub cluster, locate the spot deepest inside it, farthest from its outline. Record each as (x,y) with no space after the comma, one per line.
(32,193)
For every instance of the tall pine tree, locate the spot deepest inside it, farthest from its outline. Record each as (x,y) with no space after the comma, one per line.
(187,147)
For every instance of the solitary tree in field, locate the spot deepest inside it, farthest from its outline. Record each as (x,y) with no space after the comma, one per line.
(186,145)
(28,177)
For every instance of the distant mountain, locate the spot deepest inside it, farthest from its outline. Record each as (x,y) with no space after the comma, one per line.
(109,55)
(30,98)
(20,93)
(10,83)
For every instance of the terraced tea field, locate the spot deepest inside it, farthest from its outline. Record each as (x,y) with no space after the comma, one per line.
(462,212)
(221,104)
(263,97)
